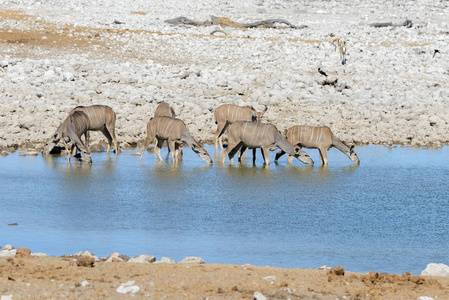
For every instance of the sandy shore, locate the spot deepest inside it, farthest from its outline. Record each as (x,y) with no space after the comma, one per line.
(392,90)
(27,277)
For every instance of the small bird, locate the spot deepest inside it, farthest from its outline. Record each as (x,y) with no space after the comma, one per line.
(322,72)
(435,52)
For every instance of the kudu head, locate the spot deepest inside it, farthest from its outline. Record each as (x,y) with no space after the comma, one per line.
(201,152)
(85,156)
(256,115)
(303,156)
(352,155)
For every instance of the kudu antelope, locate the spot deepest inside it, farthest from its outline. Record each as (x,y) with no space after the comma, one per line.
(175,132)
(341,46)
(320,138)
(102,118)
(260,135)
(165,110)
(75,125)
(227,114)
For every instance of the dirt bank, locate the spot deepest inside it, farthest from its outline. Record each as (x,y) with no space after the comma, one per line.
(53,277)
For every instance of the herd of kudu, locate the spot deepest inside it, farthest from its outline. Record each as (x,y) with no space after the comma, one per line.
(242,124)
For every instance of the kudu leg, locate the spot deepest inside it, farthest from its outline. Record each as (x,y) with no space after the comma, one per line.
(148,140)
(240,154)
(231,147)
(266,155)
(111,131)
(323,157)
(157,150)
(174,151)
(217,133)
(108,137)
(278,155)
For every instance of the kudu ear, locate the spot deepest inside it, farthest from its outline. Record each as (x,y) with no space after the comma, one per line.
(351,148)
(265,110)
(297,150)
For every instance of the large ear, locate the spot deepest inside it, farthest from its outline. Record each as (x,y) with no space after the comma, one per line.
(265,110)
(252,108)
(297,150)
(351,149)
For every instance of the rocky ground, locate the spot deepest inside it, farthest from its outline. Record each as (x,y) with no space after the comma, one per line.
(26,276)
(393,89)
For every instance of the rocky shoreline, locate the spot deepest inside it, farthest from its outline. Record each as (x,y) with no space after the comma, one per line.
(392,90)
(27,275)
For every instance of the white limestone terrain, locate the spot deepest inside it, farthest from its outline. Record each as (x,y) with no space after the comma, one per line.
(393,89)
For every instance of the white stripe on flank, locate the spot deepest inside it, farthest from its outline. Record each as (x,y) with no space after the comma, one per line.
(168,127)
(311,137)
(321,133)
(244,130)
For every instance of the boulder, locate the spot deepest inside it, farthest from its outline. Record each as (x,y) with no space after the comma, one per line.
(434,269)
(192,260)
(85,261)
(143,259)
(23,252)
(165,260)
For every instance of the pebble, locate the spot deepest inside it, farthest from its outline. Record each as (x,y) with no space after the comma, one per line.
(128,288)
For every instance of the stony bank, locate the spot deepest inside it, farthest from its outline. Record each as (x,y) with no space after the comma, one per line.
(393,88)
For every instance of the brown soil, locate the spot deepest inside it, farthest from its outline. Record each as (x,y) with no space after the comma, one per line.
(27,277)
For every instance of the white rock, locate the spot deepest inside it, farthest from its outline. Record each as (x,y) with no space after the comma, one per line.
(143,258)
(434,269)
(192,260)
(8,247)
(7,253)
(269,278)
(38,254)
(259,296)
(165,260)
(5,297)
(128,287)
(84,283)
(114,255)
(67,76)
(425,298)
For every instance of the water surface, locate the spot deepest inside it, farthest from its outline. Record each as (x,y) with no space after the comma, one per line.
(389,214)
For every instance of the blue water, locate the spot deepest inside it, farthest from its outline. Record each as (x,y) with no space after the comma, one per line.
(389,214)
